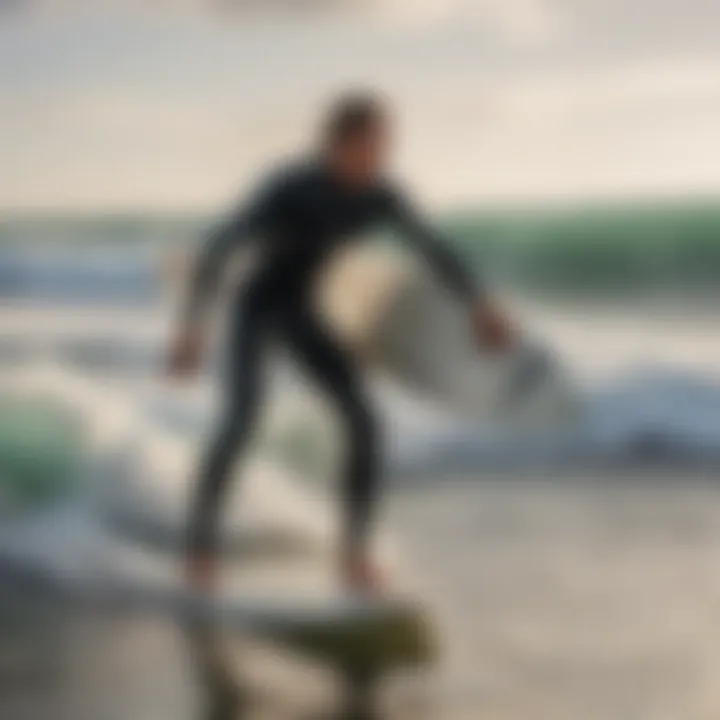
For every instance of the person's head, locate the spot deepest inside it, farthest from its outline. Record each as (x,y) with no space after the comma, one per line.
(355,137)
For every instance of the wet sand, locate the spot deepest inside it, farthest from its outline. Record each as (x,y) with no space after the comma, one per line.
(581,597)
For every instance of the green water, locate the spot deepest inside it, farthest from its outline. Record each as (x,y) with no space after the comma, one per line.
(598,247)
(594,247)
(40,451)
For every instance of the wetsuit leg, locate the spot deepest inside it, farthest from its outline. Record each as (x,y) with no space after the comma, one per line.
(332,368)
(242,399)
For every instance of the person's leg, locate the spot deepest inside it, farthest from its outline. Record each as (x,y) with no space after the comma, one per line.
(332,368)
(242,396)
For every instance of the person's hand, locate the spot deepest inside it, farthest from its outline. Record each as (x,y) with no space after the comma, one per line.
(184,356)
(491,328)
(359,575)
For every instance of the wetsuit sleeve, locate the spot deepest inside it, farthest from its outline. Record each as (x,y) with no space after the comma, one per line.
(245,224)
(434,249)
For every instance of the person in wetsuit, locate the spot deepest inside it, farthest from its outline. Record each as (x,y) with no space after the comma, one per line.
(300,215)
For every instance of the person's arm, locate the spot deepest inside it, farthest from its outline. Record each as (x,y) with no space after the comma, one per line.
(235,233)
(186,345)
(254,218)
(489,324)
(209,263)
(435,251)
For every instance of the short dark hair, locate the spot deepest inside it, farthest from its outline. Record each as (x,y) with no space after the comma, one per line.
(352,114)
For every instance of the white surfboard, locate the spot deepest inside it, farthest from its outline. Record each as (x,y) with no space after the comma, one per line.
(404,323)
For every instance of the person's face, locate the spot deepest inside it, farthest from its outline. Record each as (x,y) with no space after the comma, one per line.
(362,157)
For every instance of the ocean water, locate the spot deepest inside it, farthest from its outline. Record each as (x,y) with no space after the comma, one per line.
(624,294)
(599,248)
(592,249)
(571,572)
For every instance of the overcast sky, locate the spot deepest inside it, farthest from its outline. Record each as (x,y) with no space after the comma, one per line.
(177,103)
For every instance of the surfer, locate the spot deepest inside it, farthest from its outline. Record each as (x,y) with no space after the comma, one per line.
(297,218)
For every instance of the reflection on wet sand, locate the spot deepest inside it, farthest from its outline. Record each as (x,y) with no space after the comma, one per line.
(229,695)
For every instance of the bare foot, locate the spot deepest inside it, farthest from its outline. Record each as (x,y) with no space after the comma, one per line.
(361,576)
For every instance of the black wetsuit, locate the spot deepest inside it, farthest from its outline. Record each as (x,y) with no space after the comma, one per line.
(298,218)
